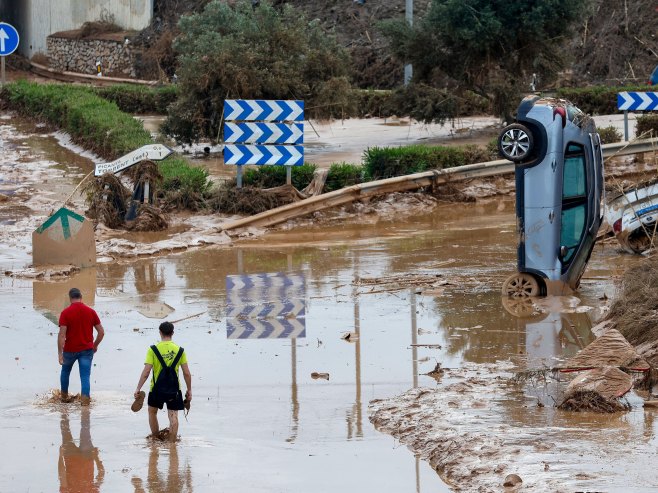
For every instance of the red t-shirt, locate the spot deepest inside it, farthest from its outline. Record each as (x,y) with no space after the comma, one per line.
(79,321)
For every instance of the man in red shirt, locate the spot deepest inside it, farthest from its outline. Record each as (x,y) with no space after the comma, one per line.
(75,343)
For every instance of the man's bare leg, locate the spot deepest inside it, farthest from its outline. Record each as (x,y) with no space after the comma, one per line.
(173,425)
(153,421)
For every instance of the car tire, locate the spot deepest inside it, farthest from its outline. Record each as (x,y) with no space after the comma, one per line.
(521,285)
(515,143)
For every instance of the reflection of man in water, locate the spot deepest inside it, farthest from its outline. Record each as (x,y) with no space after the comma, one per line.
(175,482)
(76,462)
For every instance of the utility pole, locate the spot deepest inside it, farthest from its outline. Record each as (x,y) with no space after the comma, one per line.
(409,16)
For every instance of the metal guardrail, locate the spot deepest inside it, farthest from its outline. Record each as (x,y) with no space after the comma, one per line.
(409,182)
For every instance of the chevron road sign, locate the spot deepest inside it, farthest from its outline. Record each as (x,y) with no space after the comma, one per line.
(266,306)
(257,154)
(263,110)
(264,133)
(637,101)
(267,287)
(286,308)
(153,152)
(266,329)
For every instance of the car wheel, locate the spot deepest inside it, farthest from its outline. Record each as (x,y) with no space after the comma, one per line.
(515,143)
(521,285)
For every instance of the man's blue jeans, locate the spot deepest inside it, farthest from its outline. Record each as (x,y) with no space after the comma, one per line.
(84,359)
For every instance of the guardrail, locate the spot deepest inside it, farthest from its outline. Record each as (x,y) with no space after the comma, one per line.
(407,183)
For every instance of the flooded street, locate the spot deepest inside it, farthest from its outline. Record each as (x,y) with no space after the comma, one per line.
(259,421)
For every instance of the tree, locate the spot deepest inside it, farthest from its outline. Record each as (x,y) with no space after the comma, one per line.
(490,47)
(246,51)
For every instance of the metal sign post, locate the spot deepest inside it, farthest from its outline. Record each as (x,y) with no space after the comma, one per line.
(9,40)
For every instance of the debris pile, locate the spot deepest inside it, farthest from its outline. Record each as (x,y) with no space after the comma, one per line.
(251,200)
(597,390)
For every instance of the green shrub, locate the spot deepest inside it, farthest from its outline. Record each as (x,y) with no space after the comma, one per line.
(596,100)
(609,134)
(386,162)
(275,176)
(343,175)
(647,123)
(139,99)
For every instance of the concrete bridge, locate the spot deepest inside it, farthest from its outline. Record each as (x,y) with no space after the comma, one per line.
(37,19)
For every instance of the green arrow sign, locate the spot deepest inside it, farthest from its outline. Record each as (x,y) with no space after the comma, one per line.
(65,216)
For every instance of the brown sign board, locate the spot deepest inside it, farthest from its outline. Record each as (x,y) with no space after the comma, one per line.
(65,238)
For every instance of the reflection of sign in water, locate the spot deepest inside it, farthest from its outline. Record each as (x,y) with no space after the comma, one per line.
(51,297)
(266,306)
(66,238)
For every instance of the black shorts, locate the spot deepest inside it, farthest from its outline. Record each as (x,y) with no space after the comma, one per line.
(156,400)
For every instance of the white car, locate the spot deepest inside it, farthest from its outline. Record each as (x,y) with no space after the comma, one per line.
(632,216)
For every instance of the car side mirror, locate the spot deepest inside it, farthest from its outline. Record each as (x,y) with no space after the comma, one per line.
(563,251)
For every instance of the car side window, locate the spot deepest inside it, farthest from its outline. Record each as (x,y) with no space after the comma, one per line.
(574,200)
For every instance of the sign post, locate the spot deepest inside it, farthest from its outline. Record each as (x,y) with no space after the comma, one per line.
(636,101)
(9,40)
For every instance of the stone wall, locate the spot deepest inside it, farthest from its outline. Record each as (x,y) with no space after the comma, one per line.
(81,55)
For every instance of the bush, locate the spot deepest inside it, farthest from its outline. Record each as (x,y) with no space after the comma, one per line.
(139,99)
(386,162)
(609,135)
(343,175)
(275,176)
(596,100)
(231,50)
(647,123)
(99,125)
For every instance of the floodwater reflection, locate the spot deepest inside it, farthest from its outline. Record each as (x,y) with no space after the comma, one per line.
(77,463)
(175,480)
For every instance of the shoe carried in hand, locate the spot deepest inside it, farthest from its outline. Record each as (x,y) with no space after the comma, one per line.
(139,401)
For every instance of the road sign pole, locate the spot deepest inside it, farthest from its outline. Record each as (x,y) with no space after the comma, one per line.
(2,69)
(409,16)
(288,175)
(147,190)
(239,177)
(626,125)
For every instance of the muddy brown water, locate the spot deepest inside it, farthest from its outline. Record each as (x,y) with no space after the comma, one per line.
(259,421)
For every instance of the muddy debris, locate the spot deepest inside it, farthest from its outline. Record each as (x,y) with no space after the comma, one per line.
(319,376)
(250,200)
(512,480)
(106,198)
(149,218)
(598,390)
(437,373)
(350,336)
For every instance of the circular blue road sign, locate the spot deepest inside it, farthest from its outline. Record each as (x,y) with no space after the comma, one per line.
(8,39)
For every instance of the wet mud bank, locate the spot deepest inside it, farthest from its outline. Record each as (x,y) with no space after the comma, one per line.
(477,427)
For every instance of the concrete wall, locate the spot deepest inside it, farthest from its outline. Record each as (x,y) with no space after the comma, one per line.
(37,19)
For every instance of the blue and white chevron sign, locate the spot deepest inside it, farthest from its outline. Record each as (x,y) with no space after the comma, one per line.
(264,133)
(284,308)
(637,101)
(266,329)
(254,289)
(262,155)
(263,110)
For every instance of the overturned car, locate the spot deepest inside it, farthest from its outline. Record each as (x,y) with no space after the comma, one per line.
(632,215)
(559,194)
